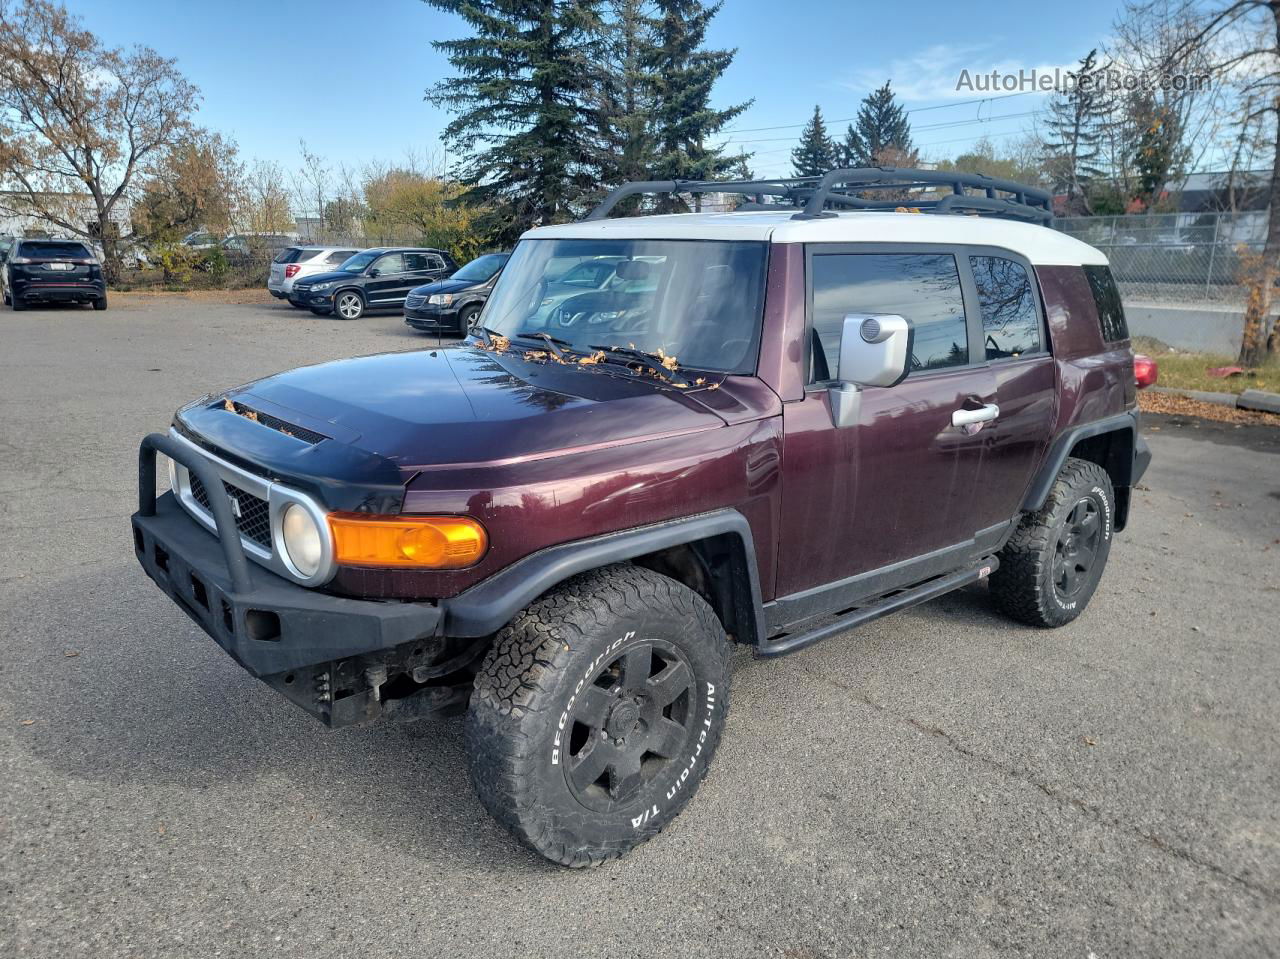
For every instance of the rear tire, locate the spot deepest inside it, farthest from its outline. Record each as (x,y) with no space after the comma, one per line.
(1052,564)
(596,713)
(16,303)
(100,303)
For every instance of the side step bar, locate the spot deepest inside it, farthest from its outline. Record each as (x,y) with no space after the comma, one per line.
(903,599)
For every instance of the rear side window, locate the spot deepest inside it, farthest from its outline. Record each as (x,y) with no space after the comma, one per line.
(1107,298)
(1010,324)
(43,249)
(290,254)
(341,256)
(922,287)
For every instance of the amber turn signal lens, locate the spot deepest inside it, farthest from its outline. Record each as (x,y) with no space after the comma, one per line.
(421,542)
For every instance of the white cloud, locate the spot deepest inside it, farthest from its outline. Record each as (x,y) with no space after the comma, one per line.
(930,75)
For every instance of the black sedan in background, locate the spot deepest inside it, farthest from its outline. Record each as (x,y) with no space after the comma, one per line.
(452,305)
(53,271)
(372,280)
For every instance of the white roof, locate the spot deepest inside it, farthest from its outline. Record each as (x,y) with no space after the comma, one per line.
(1039,244)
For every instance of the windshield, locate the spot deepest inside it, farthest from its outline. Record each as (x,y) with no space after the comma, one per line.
(699,301)
(481,268)
(358,263)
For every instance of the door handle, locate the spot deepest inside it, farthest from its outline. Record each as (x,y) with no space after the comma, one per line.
(984,414)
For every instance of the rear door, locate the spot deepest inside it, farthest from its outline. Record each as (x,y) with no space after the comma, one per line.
(1016,348)
(421,268)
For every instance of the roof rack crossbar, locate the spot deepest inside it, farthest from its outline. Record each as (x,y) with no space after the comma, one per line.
(1001,198)
(790,188)
(1024,202)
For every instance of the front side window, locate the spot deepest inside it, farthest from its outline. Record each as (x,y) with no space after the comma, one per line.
(389,264)
(1010,324)
(699,301)
(924,288)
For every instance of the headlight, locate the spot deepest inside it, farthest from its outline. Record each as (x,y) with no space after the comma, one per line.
(321,287)
(301,539)
(440,299)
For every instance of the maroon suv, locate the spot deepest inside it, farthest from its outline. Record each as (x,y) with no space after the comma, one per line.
(769,426)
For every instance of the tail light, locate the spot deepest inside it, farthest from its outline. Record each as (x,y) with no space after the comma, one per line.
(291,270)
(1145,371)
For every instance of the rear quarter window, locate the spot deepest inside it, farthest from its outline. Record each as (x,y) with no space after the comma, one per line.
(1106,296)
(291,254)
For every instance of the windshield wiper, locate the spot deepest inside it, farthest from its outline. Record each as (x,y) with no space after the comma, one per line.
(658,360)
(486,334)
(555,342)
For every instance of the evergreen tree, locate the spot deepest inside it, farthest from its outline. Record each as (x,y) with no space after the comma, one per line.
(625,104)
(882,135)
(682,75)
(815,154)
(1073,148)
(522,104)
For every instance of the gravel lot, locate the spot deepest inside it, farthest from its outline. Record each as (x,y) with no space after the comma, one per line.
(940,783)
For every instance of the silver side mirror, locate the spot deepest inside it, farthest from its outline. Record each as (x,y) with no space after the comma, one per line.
(875,350)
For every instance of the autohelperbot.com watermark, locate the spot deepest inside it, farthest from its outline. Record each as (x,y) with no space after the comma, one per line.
(1058,80)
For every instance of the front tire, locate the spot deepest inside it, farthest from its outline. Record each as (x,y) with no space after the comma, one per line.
(1052,564)
(596,713)
(467,319)
(348,305)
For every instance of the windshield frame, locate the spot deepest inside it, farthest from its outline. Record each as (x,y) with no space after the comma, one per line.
(748,365)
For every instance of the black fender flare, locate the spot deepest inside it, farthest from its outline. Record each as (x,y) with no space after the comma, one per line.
(1125,471)
(489,605)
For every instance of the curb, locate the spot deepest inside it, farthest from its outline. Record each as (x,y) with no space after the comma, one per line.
(1248,400)
(1222,399)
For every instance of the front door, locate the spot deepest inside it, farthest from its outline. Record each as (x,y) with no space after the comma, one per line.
(385,289)
(900,486)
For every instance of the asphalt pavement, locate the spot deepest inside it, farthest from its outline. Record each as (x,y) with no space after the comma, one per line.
(943,782)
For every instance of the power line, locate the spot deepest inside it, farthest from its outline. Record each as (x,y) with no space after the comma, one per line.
(936,106)
(949,124)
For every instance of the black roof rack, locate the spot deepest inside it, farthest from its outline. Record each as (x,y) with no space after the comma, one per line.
(998,198)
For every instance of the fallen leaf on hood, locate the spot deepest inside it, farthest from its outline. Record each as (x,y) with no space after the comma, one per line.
(668,361)
(699,381)
(594,358)
(228,405)
(714,386)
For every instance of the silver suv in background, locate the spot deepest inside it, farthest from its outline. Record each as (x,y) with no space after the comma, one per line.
(295,262)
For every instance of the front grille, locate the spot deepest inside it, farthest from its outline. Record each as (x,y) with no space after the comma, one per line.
(412,302)
(275,423)
(254,521)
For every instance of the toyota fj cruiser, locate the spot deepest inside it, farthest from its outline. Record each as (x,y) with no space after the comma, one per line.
(780,422)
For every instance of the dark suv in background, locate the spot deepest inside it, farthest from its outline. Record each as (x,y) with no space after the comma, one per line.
(376,279)
(53,271)
(452,305)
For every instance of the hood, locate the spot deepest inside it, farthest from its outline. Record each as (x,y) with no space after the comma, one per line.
(387,416)
(447,286)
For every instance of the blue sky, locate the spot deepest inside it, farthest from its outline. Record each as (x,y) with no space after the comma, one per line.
(349,77)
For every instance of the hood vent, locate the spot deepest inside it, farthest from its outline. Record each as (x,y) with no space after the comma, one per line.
(274,422)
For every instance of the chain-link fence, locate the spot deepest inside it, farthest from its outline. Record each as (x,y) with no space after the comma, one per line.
(1174,257)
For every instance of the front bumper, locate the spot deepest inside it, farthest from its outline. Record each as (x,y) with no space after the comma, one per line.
(313,301)
(432,318)
(306,644)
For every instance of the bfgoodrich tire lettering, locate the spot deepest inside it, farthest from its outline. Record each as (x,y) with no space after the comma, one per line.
(620,668)
(1052,564)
